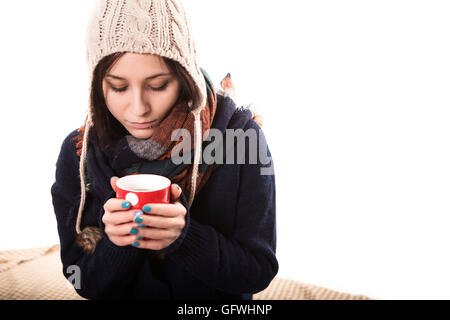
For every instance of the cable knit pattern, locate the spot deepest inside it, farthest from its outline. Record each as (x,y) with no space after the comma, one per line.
(158,27)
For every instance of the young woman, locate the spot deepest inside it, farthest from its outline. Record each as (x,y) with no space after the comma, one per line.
(217,237)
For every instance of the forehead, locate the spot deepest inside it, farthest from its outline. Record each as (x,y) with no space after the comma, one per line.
(135,65)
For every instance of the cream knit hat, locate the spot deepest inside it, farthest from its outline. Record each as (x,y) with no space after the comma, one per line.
(157,27)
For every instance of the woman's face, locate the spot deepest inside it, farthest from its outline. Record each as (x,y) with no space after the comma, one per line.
(139,91)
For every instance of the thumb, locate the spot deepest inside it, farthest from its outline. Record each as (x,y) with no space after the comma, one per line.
(113,182)
(175,192)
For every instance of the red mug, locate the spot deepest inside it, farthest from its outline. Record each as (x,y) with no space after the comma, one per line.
(141,189)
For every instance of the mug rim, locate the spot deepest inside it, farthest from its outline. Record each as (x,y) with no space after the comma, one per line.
(123,183)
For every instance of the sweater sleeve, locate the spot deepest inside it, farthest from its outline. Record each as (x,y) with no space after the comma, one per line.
(111,271)
(244,262)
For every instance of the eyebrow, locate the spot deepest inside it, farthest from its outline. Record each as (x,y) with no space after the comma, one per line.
(148,78)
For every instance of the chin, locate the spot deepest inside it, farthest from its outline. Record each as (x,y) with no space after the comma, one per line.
(141,134)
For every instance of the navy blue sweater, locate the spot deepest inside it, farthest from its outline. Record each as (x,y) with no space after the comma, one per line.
(225,251)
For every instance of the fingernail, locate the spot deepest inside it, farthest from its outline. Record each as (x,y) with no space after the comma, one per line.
(126,205)
(136,244)
(142,225)
(138,219)
(177,186)
(146,208)
(139,238)
(138,213)
(134,231)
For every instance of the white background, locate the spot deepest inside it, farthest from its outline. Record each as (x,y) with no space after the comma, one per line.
(355,96)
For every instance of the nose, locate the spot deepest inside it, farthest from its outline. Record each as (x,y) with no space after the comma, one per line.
(139,104)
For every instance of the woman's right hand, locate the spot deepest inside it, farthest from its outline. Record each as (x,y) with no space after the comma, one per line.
(119,220)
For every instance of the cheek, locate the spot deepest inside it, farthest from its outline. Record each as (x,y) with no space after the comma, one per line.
(114,105)
(165,100)
(173,94)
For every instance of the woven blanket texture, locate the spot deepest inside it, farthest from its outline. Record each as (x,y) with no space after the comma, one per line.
(36,274)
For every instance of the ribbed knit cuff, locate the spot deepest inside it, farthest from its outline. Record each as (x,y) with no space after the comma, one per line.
(177,243)
(193,252)
(122,258)
(107,249)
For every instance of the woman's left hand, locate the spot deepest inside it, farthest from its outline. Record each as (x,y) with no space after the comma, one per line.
(162,224)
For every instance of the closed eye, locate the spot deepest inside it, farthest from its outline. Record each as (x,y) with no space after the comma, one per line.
(160,88)
(150,88)
(119,89)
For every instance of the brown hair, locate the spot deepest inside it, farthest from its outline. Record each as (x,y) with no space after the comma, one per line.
(107,128)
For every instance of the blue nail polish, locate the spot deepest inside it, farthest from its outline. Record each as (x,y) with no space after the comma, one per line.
(139,238)
(126,205)
(142,225)
(134,231)
(136,244)
(146,208)
(138,213)
(138,219)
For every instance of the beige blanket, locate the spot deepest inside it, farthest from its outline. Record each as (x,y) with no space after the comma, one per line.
(36,274)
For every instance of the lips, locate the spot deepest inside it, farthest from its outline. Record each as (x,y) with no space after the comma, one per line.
(142,125)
